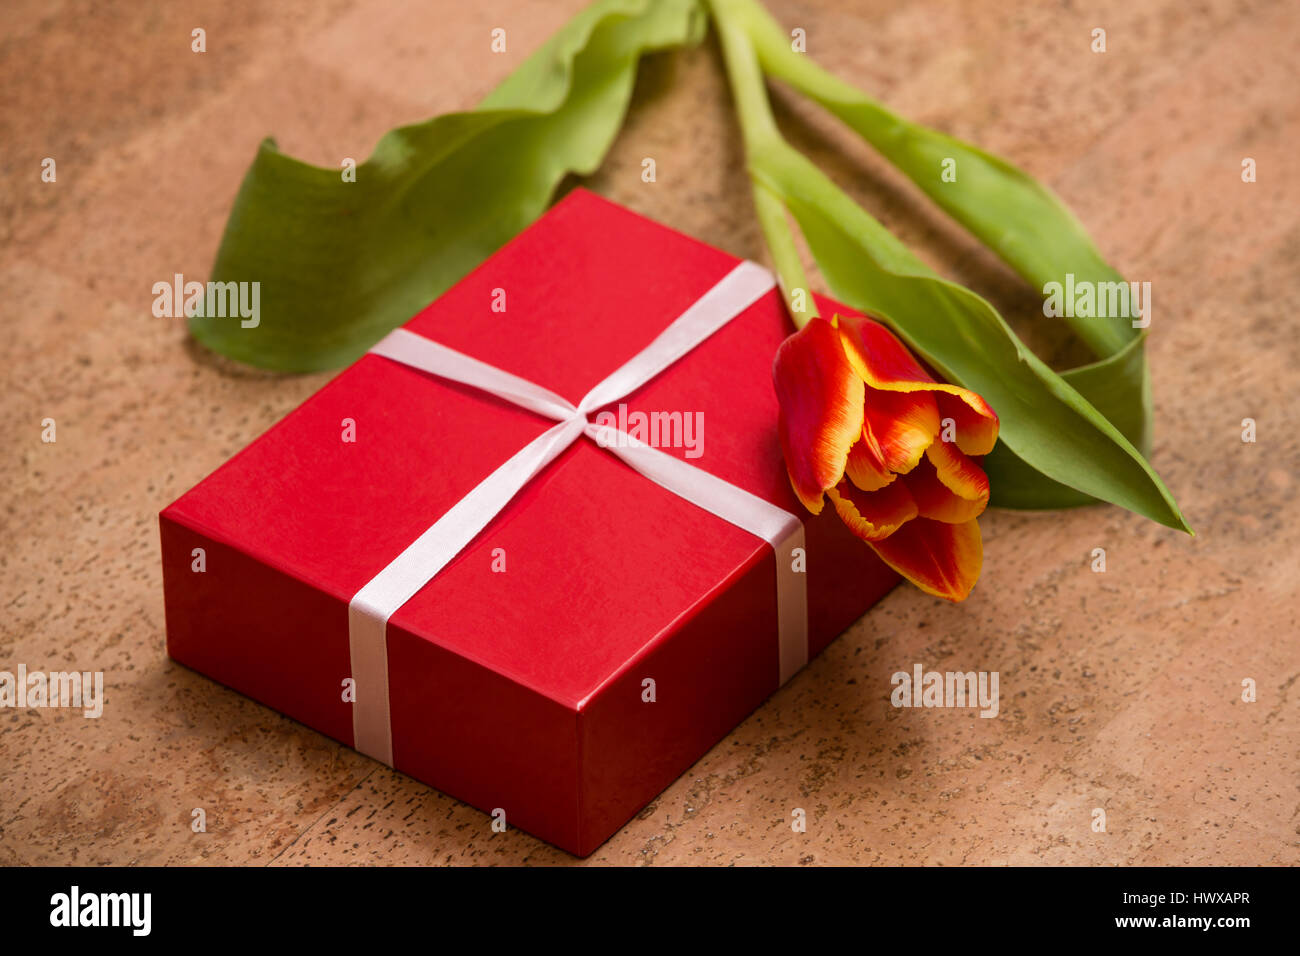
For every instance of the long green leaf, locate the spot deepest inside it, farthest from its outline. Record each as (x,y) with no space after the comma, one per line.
(342,263)
(1012,213)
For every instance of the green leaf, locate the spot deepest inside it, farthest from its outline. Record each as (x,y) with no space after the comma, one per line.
(1045,421)
(1109,386)
(1027,226)
(342,263)
(1012,213)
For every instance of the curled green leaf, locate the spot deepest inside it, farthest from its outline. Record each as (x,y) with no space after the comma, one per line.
(342,263)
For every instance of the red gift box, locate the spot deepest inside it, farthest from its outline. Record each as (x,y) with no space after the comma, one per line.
(518,677)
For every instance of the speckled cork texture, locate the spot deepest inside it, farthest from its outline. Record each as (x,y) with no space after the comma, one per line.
(1120,691)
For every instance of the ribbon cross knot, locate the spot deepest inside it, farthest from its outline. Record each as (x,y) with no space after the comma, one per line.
(372,606)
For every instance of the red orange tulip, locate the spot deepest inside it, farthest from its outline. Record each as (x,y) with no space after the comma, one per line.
(897,452)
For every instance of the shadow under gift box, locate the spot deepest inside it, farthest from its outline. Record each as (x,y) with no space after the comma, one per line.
(521,689)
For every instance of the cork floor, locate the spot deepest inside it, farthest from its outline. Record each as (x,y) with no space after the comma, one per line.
(1121,691)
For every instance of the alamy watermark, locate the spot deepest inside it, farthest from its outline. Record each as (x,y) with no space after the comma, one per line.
(75,908)
(923,688)
(83,689)
(1085,299)
(215,300)
(656,429)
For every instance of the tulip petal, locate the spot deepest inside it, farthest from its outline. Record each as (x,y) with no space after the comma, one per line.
(936,500)
(960,474)
(940,559)
(975,426)
(903,424)
(885,364)
(866,466)
(873,515)
(821,409)
(876,355)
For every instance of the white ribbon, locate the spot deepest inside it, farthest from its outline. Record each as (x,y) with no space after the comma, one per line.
(379,599)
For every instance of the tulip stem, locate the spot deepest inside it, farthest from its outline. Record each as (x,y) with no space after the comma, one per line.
(759,131)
